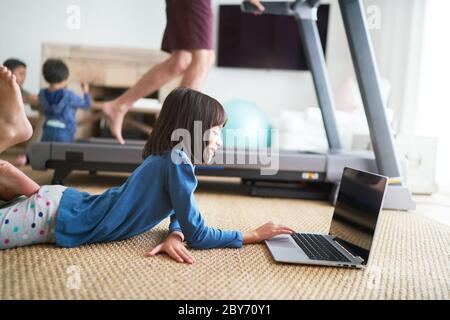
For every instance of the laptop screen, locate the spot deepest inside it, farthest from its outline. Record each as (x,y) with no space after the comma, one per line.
(357,208)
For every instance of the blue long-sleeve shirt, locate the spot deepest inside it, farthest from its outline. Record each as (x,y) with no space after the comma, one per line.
(62,104)
(157,189)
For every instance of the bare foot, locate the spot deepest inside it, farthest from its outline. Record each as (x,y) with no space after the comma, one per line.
(20,160)
(115,113)
(14,124)
(14,183)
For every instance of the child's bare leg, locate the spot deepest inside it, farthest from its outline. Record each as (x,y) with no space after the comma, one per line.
(14,124)
(14,183)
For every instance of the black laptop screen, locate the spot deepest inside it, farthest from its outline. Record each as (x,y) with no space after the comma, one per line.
(357,208)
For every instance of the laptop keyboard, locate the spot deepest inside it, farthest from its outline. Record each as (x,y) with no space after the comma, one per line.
(316,247)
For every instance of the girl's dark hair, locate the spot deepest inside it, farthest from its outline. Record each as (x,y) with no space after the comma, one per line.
(181,109)
(55,71)
(12,64)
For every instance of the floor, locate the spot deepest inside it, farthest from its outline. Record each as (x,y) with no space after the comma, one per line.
(435,206)
(410,257)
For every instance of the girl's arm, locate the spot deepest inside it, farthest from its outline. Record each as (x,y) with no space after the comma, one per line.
(266,231)
(174,225)
(173,245)
(181,184)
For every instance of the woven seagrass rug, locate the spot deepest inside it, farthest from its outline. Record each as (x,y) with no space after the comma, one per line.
(410,260)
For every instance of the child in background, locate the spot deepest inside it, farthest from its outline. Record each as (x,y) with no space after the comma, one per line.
(59,103)
(19,69)
(162,186)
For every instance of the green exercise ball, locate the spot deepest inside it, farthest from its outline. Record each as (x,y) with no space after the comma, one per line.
(248,126)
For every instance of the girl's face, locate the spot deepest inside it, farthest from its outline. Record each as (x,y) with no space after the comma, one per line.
(214,143)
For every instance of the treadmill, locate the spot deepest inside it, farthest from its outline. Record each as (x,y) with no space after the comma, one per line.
(309,175)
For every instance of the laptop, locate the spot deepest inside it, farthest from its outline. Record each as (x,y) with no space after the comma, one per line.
(358,206)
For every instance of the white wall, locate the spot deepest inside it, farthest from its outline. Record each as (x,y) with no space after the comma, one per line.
(26,24)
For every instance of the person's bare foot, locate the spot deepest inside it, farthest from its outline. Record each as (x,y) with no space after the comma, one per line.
(14,183)
(20,160)
(14,124)
(115,114)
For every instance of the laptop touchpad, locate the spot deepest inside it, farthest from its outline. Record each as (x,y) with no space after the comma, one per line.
(282,243)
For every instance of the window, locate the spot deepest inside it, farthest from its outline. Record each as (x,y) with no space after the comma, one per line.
(433,116)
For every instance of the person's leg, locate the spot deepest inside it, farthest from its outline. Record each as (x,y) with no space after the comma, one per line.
(31,220)
(14,124)
(21,160)
(14,183)
(154,79)
(196,73)
(67,136)
(61,135)
(48,134)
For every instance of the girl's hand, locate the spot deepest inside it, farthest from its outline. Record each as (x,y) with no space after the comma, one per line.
(266,231)
(173,246)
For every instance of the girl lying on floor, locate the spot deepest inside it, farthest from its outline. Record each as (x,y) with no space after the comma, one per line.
(162,186)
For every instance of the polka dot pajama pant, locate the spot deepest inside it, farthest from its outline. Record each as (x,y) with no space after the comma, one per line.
(31,220)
